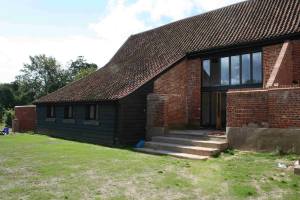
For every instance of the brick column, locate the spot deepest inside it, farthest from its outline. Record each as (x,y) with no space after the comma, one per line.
(194,91)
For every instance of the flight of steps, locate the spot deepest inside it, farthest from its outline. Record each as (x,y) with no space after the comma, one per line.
(187,144)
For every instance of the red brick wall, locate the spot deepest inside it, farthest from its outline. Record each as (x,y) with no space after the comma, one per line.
(26,118)
(284,108)
(181,85)
(296,60)
(270,55)
(285,73)
(194,91)
(246,107)
(274,108)
(173,86)
(289,71)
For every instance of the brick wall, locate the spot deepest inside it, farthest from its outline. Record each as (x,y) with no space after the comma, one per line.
(296,60)
(246,107)
(274,108)
(284,108)
(285,73)
(194,91)
(172,85)
(25,118)
(180,87)
(270,55)
(289,71)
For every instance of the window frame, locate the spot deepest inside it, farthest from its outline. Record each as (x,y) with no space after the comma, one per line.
(50,111)
(88,112)
(230,54)
(67,112)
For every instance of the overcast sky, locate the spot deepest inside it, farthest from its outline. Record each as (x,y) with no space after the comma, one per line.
(94,29)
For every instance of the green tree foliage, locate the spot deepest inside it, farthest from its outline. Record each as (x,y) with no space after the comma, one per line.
(9,115)
(42,76)
(7,99)
(1,113)
(80,68)
(84,72)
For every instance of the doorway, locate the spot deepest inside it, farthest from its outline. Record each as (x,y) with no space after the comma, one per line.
(214,109)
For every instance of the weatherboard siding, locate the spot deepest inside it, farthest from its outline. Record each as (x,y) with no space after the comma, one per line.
(100,134)
(133,115)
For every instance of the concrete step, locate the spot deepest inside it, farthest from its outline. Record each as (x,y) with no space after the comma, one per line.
(171,153)
(221,145)
(196,135)
(202,151)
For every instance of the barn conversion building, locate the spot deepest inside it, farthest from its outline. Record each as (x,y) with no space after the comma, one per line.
(235,68)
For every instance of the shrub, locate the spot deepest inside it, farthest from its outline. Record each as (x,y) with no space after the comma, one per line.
(1,113)
(8,116)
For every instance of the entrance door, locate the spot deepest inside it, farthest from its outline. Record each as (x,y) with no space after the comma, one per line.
(214,109)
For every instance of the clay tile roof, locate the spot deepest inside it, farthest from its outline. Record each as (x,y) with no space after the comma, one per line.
(145,55)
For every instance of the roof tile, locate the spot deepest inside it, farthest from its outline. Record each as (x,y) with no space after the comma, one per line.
(145,55)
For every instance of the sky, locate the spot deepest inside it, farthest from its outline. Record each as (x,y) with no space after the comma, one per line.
(95,29)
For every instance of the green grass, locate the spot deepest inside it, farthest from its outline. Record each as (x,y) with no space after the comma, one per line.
(40,167)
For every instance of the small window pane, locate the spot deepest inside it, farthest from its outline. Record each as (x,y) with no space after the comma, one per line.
(206,73)
(92,112)
(225,71)
(235,70)
(246,73)
(70,113)
(257,67)
(50,111)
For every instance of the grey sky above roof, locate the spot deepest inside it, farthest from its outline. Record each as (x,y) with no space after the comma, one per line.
(145,55)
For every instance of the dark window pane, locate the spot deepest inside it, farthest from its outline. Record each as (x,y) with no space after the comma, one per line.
(206,73)
(235,70)
(225,71)
(68,112)
(257,67)
(91,112)
(246,73)
(50,111)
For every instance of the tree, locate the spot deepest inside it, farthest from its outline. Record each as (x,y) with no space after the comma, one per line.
(84,72)
(9,115)
(42,76)
(81,68)
(7,99)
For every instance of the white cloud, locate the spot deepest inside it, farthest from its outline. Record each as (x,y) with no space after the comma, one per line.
(121,20)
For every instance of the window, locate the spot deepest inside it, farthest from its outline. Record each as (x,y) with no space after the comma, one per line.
(241,69)
(50,111)
(68,112)
(235,70)
(246,69)
(206,72)
(257,67)
(91,112)
(225,71)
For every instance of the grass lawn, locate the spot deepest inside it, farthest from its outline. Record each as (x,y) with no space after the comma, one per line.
(40,167)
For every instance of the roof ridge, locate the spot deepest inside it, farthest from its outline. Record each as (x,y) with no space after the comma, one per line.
(191,17)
